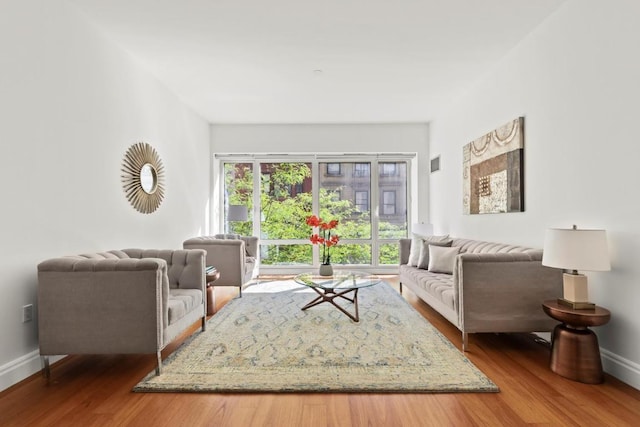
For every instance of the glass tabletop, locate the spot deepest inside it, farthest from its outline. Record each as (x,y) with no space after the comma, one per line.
(342,279)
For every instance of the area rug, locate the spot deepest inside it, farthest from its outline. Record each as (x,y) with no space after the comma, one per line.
(264,342)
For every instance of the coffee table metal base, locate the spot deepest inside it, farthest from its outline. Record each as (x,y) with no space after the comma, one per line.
(328,295)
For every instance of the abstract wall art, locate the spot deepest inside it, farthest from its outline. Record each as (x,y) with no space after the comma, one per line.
(493,171)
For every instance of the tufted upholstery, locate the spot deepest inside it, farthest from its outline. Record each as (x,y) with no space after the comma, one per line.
(120,301)
(436,284)
(495,287)
(480,247)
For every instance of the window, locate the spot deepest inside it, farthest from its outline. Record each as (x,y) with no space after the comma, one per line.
(362,201)
(361,169)
(333,169)
(283,193)
(388,169)
(388,203)
(393,190)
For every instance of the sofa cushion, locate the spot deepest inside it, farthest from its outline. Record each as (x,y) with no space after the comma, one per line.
(181,302)
(423,260)
(436,284)
(441,259)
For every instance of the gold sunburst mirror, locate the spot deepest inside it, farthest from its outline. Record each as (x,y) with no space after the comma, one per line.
(143,177)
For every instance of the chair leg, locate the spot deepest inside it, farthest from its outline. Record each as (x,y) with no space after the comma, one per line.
(400,287)
(204,323)
(159,366)
(240,287)
(465,341)
(46,368)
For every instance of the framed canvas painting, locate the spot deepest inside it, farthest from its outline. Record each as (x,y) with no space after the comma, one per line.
(493,173)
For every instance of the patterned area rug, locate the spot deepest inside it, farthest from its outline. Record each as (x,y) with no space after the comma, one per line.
(263,342)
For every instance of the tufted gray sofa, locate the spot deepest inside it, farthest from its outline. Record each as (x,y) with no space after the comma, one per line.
(117,302)
(494,287)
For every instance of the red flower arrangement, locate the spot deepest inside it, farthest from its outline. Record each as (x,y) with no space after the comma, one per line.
(324,236)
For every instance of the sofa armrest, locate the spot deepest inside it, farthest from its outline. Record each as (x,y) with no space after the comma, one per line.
(228,256)
(503,292)
(405,249)
(102,306)
(251,245)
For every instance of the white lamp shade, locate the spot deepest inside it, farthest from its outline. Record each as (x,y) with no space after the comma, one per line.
(237,213)
(575,249)
(422,229)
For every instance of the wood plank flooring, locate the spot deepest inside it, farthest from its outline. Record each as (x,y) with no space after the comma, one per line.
(96,391)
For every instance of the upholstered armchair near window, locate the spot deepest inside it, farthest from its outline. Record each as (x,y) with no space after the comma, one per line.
(119,302)
(234,256)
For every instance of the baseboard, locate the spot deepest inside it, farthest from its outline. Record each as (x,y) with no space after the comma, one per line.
(23,367)
(623,369)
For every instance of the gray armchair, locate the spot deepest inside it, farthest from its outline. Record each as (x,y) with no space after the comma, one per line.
(234,256)
(118,302)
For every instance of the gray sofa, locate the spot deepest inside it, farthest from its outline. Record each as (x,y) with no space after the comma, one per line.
(494,287)
(119,302)
(233,255)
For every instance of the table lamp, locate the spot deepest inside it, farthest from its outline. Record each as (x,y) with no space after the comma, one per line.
(237,213)
(574,249)
(422,229)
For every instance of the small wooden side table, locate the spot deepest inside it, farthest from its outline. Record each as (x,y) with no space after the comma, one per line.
(575,353)
(211,300)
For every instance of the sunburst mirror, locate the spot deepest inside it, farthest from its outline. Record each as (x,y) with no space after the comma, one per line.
(143,177)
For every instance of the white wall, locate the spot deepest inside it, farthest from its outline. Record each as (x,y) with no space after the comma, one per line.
(332,138)
(71,104)
(575,80)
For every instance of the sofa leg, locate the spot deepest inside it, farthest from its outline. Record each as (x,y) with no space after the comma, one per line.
(46,368)
(204,323)
(240,287)
(465,341)
(159,366)
(400,287)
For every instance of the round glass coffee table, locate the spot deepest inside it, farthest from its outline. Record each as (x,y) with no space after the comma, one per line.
(339,285)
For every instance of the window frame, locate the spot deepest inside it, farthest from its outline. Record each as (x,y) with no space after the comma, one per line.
(372,160)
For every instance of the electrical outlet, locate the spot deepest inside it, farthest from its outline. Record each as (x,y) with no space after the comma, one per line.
(27,313)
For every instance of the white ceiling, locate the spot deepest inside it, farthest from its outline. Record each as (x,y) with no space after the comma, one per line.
(326,61)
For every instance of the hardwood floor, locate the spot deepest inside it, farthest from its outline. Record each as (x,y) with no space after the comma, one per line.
(96,391)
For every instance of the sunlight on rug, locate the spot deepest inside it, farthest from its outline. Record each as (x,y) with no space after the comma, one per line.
(263,342)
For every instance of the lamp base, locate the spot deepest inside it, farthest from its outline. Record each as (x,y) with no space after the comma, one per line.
(577,305)
(575,287)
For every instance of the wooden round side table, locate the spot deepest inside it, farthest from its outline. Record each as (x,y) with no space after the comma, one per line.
(211,300)
(575,353)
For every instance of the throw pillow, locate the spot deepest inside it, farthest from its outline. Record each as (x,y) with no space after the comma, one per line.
(423,260)
(416,247)
(442,259)
(414,252)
